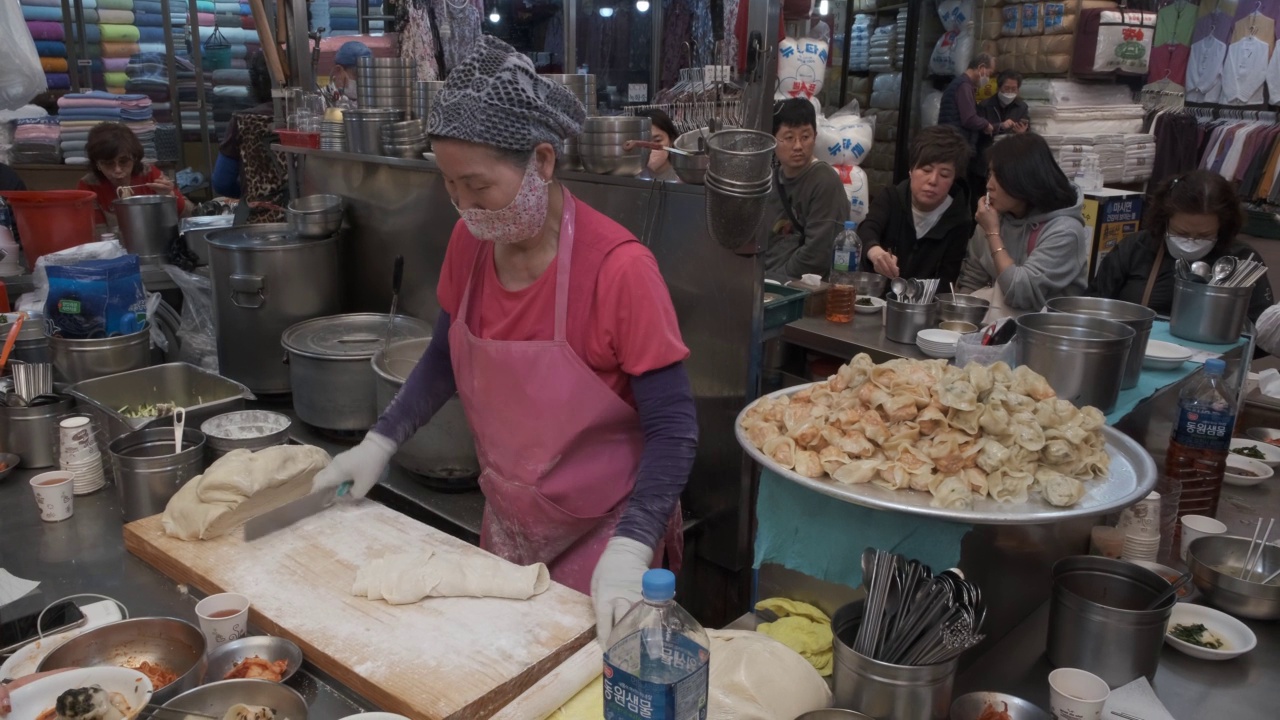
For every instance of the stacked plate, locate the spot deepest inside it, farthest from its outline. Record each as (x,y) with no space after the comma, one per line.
(600,146)
(79,455)
(583,87)
(937,343)
(333,136)
(424,93)
(1163,355)
(406,139)
(386,83)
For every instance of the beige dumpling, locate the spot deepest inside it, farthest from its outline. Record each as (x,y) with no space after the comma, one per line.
(958,394)
(808,464)
(1031,383)
(832,458)
(995,419)
(806,435)
(1017,402)
(951,493)
(240,711)
(1091,418)
(901,408)
(872,426)
(976,479)
(1026,431)
(857,445)
(1058,489)
(1057,452)
(857,472)
(932,420)
(966,420)
(980,377)
(1009,486)
(781,450)
(1001,374)
(761,432)
(992,456)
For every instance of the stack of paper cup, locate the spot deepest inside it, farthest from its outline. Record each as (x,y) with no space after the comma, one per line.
(79,454)
(1141,526)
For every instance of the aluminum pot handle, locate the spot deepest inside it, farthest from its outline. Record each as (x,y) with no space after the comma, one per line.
(248,284)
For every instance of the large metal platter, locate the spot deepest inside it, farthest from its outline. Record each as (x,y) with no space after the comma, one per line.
(1133,476)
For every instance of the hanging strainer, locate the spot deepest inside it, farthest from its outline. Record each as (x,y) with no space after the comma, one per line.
(733,220)
(742,156)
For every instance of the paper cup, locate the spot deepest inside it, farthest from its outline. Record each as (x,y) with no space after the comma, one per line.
(1076,694)
(54,496)
(1195,526)
(76,438)
(223,618)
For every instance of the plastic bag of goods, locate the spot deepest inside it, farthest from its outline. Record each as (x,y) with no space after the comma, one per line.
(955,13)
(952,53)
(801,66)
(856,189)
(844,139)
(23,77)
(96,299)
(929,105)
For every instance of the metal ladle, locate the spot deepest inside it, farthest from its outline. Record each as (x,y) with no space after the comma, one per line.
(1223,268)
(633,144)
(1201,271)
(1182,269)
(899,287)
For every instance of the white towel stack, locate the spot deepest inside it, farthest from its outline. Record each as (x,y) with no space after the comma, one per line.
(884,49)
(1110,152)
(1139,154)
(860,42)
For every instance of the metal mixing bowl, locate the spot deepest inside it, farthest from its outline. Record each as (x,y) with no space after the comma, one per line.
(1216,559)
(9,461)
(174,644)
(869,284)
(962,308)
(218,697)
(610,163)
(272,649)
(970,706)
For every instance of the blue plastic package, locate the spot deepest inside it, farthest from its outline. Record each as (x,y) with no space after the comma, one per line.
(96,299)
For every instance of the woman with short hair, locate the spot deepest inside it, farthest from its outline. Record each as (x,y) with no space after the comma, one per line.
(117,171)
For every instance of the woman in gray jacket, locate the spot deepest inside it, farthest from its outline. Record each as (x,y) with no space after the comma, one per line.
(1030,244)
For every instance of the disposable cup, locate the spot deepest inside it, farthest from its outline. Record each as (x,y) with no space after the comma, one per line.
(1076,694)
(223,617)
(76,436)
(54,495)
(1195,526)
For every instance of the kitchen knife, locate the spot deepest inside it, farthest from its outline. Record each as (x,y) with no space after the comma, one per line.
(290,513)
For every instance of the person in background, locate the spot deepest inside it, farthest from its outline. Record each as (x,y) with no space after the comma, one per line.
(557,332)
(921,227)
(808,206)
(1194,216)
(664,133)
(959,109)
(342,89)
(1008,114)
(1030,245)
(115,156)
(228,172)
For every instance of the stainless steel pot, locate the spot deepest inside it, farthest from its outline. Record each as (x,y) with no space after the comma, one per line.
(195,230)
(1082,357)
(265,280)
(148,223)
(1098,619)
(1135,316)
(443,450)
(330,369)
(31,433)
(1208,313)
(882,690)
(148,471)
(903,320)
(76,360)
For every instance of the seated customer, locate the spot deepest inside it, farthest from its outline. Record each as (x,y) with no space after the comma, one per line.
(807,207)
(663,132)
(229,169)
(1030,245)
(115,156)
(920,228)
(1191,217)
(1007,112)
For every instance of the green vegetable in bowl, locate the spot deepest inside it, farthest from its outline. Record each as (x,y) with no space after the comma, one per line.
(1249,451)
(865,302)
(1197,635)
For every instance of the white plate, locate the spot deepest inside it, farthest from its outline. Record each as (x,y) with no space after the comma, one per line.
(1237,638)
(876,302)
(1270,453)
(1261,469)
(29,701)
(1133,476)
(28,657)
(1163,355)
(938,336)
(939,354)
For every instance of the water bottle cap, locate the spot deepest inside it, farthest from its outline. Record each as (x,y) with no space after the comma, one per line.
(658,585)
(1215,366)
(850,225)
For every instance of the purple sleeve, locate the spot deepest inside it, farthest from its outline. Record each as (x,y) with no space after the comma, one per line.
(427,389)
(967,104)
(664,400)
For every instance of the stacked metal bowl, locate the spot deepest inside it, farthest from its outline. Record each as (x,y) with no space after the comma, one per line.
(364,128)
(739,175)
(386,83)
(424,93)
(333,136)
(692,169)
(315,216)
(583,87)
(600,145)
(406,139)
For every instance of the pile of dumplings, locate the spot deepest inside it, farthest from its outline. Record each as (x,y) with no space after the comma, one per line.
(957,433)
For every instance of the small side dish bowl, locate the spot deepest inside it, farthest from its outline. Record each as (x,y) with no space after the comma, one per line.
(1245,472)
(1236,637)
(1270,453)
(867,304)
(272,649)
(1163,355)
(30,701)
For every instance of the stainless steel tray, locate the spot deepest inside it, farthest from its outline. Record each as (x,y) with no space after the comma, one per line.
(1133,476)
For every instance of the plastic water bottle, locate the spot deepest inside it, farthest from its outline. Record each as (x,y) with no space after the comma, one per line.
(845,256)
(1197,454)
(658,662)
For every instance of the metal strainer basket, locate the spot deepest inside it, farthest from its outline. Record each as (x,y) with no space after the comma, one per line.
(733,220)
(743,156)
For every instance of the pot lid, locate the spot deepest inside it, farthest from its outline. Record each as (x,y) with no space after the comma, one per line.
(269,236)
(206,222)
(353,336)
(400,358)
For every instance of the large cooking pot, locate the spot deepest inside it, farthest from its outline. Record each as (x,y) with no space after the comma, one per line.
(265,280)
(196,230)
(148,224)
(330,369)
(442,452)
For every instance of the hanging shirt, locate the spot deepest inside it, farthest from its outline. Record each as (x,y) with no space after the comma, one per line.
(924,221)
(1175,23)
(1273,78)
(1204,69)
(1244,72)
(1169,62)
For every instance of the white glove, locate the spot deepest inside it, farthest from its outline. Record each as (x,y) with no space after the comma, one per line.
(615,585)
(362,465)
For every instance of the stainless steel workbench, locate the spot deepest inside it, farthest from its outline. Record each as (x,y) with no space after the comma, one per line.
(844,340)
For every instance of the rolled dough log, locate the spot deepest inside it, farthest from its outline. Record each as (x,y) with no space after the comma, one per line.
(241,485)
(410,577)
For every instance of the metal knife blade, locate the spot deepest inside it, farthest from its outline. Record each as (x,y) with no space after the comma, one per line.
(290,513)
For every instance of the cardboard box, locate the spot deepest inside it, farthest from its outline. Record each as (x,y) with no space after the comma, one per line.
(1109,215)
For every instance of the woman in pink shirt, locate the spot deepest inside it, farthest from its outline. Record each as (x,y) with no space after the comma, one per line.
(558,333)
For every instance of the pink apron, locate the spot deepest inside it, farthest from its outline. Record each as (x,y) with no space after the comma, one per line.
(558,449)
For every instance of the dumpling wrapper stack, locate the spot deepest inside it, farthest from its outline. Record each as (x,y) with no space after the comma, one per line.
(409,577)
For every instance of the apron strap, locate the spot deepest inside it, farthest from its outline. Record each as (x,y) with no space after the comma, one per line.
(1151,276)
(1034,237)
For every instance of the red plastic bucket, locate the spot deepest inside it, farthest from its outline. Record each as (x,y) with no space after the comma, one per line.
(51,220)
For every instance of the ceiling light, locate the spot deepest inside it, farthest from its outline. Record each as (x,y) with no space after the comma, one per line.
(642,5)
(494,17)
(824,7)
(606,12)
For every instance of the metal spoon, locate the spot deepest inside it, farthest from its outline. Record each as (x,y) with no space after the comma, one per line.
(914,289)
(899,287)
(179,424)
(1201,271)
(1170,591)
(1223,268)
(1182,269)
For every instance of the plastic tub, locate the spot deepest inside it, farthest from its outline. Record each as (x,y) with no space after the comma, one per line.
(51,220)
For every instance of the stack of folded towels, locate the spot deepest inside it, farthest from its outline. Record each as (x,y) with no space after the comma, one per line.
(80,112)
(35,141)
(1110,151)
(1139,154)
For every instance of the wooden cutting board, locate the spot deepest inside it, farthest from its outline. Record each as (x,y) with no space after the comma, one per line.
(440,658)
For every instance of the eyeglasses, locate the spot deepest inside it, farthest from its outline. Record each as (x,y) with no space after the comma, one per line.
(122,163)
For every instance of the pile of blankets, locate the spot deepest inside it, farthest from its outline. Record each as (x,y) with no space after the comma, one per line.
(342,17)
(114,30)
(1139,155)
(35,141)
(1122,158)
(78,113)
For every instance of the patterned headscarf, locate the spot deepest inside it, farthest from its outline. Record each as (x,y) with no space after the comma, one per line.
(495,97)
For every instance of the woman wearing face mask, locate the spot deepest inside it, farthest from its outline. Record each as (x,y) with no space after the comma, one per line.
(1030,243)
(664,133)
(558,333)
(1191,217)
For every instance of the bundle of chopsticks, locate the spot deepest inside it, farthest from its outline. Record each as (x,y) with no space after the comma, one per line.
(1253,558)
(1247,273)
(913,617)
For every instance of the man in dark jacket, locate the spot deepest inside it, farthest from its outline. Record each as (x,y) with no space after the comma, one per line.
(959,109)
(921,227)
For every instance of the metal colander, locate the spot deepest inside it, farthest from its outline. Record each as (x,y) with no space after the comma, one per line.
(733,220)
(743,156)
